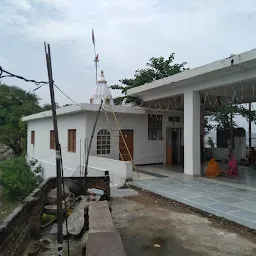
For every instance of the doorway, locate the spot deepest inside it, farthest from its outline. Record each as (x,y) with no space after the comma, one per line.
(173,146)
(128,137)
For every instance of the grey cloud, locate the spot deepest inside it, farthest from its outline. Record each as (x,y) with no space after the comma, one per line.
(128,33)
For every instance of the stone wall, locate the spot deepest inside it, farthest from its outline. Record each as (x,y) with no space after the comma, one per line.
(23,223)
(5,152)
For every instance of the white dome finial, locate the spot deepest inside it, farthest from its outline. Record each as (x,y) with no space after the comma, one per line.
(101,79)
(102,91)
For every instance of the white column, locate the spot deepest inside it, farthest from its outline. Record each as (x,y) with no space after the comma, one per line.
(192,163)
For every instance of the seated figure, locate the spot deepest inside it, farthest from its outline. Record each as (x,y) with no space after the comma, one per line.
(232,166)
(213,168)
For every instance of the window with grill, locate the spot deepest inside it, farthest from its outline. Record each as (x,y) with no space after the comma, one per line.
(52,140)
(103,142)
(33,137)
(175,119)
(155,127)
(72,140)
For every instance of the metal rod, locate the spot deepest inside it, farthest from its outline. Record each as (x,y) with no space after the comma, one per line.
(96,57)
(83,171)
(231,129)
(65,203)
(90,144)
(80,165)
(96,67)
(250,133)
(58,155)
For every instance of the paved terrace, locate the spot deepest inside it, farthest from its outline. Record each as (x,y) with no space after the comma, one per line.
(231,200)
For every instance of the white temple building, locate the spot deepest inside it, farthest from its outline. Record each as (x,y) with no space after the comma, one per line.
(166,130)
(102,92)
(144,132)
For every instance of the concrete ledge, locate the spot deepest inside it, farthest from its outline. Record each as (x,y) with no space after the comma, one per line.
(105,244)
(100,219)
(102,238)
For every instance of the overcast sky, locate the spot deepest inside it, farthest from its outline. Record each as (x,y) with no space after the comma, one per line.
(127,33)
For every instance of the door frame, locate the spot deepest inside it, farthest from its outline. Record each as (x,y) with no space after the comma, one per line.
(179,147)
(168,136)
(132,153)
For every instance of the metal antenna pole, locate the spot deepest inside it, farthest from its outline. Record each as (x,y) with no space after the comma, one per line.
(96,63)
(96,60)
(58,152)
(96,67)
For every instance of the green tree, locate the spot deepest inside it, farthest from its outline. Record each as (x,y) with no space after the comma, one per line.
(157,68)
(15,103)
(210,142)
(208,124)
(18,177)
(247,114)
(47,107)
(222,116)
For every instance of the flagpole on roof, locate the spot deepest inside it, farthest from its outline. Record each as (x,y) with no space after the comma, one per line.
(96,60)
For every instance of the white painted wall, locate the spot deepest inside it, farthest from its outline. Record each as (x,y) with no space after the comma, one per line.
(145,151)
(119,171)
(239,150)
(41,150)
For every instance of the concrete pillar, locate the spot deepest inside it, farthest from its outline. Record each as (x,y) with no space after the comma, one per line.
(192,163)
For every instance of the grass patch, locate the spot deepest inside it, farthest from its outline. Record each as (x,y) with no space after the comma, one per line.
(6,206)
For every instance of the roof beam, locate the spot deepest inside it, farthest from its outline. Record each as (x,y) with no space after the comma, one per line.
(218,81)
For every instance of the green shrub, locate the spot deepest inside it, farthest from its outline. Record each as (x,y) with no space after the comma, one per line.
(17,178)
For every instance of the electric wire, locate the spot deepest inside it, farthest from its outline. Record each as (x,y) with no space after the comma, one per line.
(69,97)
(4,73)
(32,91)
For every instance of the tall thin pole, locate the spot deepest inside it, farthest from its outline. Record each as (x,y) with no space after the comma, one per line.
(65,203)
(90,144)
(80,165)
(58,152)
(231,129)
(96,60)
(96,67)
(250,132)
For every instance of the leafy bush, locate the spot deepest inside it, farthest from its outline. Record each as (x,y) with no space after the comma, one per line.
(17,178)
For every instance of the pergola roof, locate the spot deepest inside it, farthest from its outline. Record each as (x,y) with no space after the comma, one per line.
(235,75)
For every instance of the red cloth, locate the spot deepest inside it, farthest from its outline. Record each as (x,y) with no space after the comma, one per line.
(232,166)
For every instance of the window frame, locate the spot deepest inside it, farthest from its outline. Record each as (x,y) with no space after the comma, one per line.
(52,140)
(32,137)
(103,143)
(174,119)
(155,127)
(72,140)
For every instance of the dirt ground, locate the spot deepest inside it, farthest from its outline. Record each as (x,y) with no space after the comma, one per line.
(147,220)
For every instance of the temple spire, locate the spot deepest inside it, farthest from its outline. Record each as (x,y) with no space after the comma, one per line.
(102,91)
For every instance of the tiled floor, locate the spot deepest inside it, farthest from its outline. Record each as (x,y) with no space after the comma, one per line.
(234,202)
(246,175)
